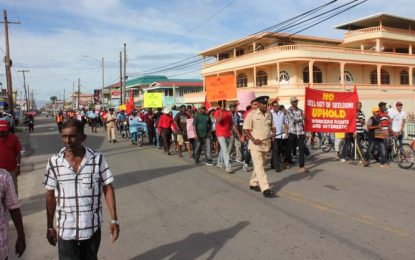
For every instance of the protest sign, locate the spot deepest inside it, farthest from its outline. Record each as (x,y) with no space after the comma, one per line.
(190,128)
(153,100)
(220,88)
(244,99)
(328,111)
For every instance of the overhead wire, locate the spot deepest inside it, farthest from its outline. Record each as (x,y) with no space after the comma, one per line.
(294,23)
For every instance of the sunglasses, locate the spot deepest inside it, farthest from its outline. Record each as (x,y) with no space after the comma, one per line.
(400,105)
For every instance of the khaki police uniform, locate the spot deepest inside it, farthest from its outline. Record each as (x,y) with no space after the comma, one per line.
(260,125)
(111,126)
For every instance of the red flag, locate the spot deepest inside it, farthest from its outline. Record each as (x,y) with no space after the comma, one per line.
(207,103)
(130,103)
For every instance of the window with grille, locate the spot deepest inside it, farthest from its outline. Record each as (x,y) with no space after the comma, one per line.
(317,75)
(241,81)
(261,78)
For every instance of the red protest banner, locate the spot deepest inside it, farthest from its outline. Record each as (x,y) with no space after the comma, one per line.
(328,111)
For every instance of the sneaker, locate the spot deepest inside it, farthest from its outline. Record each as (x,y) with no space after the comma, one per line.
(303,170)
(385,165)
(245,167)
(342,160)
(209,164)
(229,170)
(220,166)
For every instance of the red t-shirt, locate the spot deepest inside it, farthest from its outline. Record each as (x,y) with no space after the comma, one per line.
(9,148)
(223,128)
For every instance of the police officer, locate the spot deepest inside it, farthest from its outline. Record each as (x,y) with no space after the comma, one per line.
(258,125)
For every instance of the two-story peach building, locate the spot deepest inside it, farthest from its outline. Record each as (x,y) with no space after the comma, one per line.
(376,55)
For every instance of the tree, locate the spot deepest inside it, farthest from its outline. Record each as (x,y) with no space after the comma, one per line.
(53,99)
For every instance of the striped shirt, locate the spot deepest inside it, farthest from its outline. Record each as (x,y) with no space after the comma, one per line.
(78,194)
(359,117)
(384,120)
(8,201)
(295,121)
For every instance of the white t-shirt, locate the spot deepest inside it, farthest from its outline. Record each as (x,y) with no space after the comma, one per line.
(396,118)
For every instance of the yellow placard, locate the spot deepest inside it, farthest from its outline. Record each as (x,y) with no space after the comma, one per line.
(153,100)
(122,107)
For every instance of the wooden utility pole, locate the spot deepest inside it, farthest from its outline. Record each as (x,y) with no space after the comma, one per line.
(25,89)
(79,92)
(64,98)
(103,79)
(121,90)
(8,63)
(125,73)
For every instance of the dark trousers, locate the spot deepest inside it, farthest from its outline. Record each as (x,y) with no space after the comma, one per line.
(345,152)
(166,136)
(246,153)
(80,249)
(380,145)
(205,142)
(276,154)
(293,140)
(60,126)
(151,135)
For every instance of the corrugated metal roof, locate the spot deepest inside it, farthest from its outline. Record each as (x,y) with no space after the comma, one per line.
(388,20)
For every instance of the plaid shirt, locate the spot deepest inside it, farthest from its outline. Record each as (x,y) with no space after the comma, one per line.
(295,121)
(8,201)
(78,195)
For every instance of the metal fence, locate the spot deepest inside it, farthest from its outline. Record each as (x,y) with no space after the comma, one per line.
(410,129)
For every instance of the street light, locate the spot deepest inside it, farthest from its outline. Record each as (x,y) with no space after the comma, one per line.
(103,74)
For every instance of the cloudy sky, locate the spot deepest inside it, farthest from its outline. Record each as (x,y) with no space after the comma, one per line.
(63,40)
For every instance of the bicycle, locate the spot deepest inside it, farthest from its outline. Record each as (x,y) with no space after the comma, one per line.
(408,155)
(327,142)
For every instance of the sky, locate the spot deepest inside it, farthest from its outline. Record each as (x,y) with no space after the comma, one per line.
(60,41)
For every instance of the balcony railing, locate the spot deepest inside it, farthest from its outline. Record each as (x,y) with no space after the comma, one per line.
(307,47)
(378,29)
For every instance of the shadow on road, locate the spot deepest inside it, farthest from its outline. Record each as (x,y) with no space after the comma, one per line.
(195,245)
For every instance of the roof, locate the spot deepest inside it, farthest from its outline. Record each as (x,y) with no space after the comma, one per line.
(115,85)
(180,83)
(388,20)
(144,80)
(256,37)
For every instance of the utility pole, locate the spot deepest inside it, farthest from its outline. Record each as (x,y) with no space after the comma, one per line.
(24,86)
(103,79)
(8,63)
(64,98)
(121,90)
(125,73)
(79,92)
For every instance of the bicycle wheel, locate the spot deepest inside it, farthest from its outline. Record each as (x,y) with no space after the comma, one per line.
(326,144)
(395,155)
(140,140)
(407,157)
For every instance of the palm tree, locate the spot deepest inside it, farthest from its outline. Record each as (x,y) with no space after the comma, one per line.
(53,99)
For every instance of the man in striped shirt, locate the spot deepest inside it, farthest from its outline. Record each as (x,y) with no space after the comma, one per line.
(75,179)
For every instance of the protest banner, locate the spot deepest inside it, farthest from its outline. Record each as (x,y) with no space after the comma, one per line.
(244,99)
(190,128)
(220,88)
(153,100)
(328,111)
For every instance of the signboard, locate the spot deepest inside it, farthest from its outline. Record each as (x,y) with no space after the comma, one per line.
(220,88)
(190,128)
(97,96)
(244,99)
(153,100)
(115,94)
(328,111)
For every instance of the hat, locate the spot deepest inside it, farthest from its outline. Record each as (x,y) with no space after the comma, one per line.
(166,111)
(111,109)
(232,105)
(262,99)
(293,99)
(381,104)
(4,126)
(399,103)
(375,109)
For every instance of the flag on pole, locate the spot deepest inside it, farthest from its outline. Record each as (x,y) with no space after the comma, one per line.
(130,103)
(207,103)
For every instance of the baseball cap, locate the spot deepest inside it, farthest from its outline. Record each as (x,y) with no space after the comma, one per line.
(381,103)
(399,103)
(375,109)
(293,99)
(4,126)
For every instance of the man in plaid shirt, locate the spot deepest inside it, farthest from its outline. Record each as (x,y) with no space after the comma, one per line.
(75,179)
(296,135)
(9,202)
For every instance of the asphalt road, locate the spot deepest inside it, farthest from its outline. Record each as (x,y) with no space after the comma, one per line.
(171,209)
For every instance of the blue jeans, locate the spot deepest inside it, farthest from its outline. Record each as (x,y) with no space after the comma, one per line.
(224,154)
(134,137)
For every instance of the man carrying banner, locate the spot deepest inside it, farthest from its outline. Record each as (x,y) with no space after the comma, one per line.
(295,118)
(257,126)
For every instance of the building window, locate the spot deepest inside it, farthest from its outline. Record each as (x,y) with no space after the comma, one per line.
(168,92)
(242,81)
(384,77)
(259,47)
(223,56)
(404,77)
(261,78)
(239,52)
(348,77)
(317,75)
(284,77)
